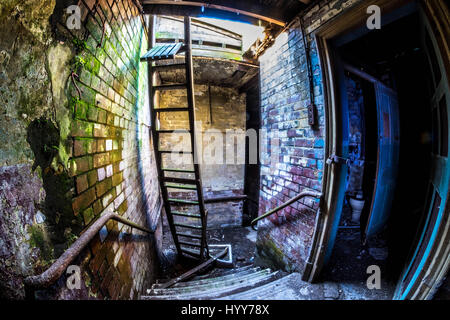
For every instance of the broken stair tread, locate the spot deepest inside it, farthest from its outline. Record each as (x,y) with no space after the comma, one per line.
(221,283)
(225,272)
(216,279)
(269,291)
(217,292)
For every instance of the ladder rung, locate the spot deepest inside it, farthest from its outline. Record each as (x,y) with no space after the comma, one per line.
(173,131)
(180,180)
(177,170)
(189,244)
(191,252)
(189,215)
(169,67)
(187,235)
(171,109)
(177,86)
(180,186)
(180,201)
(171,151)
(182,225)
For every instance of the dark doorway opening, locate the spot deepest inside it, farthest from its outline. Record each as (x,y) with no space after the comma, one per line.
(393,55)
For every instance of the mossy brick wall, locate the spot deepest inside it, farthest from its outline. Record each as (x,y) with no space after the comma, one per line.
(112,163)
(284,239)
(227,112)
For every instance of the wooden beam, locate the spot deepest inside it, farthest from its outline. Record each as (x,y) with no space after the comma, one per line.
(267,14)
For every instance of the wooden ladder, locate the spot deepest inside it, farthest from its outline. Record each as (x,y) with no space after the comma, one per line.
(188,228)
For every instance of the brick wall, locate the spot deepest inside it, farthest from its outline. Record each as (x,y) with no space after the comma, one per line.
(227,113)
(112,163)
(284,239)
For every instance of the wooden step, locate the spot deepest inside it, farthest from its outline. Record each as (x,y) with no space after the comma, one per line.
(171,109)
(190,244)
(170,151)
(191,252)
(165,87)
(172,131)
(177,170)
(182,225)
(180,180)
(180,186)
(168,67)
(188,235)
(185,202)
(188,215)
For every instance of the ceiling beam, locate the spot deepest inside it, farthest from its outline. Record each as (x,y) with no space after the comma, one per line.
(254,12)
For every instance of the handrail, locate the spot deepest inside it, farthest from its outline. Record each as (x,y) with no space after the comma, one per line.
(303,194)
(49,276)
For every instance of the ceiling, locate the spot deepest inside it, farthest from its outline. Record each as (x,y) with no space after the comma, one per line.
(258,12)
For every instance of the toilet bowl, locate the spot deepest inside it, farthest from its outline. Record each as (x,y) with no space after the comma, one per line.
(357,206)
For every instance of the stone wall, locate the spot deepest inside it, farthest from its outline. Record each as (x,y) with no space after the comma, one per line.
(284,239)
(227,112)
(76,133)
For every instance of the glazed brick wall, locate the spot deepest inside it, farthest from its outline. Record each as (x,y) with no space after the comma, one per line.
(112,163)
(284,239)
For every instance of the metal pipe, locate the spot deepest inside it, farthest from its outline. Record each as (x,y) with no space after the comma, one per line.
(303,194)
(49,276)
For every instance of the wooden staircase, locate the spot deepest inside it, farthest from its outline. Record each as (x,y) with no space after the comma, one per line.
(187,218)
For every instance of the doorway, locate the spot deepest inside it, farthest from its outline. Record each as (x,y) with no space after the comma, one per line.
(397,58)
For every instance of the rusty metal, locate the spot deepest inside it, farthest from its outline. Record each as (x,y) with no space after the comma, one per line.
(49,276)
(302,195)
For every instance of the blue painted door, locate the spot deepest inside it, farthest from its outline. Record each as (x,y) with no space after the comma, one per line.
(387,158)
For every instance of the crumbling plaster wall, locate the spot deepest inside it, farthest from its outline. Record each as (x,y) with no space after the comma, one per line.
(72,148)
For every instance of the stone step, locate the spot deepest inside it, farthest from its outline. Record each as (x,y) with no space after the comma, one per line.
(285,288)
(214,292)
(192,283)
(231,281)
